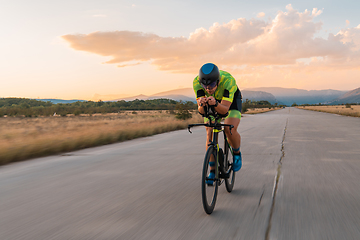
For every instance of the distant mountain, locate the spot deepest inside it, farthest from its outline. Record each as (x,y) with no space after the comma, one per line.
(289,96)
(174,97)
(258,96)
(144,97)
(352,96)
(184,94)
(286,96)
(56,101)
(98,97)
(188,92)
(140,97)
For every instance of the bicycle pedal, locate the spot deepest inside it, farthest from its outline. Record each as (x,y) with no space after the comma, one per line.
(223,176)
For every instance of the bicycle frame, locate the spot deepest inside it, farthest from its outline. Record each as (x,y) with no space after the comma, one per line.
(217,128)
(223,169)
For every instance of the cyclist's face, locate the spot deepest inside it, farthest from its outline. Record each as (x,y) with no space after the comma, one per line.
(211,90)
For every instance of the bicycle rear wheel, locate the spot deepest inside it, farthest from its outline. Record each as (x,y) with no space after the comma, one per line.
(228,164)
(209,192)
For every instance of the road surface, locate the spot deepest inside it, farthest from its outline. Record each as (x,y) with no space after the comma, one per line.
(300,180)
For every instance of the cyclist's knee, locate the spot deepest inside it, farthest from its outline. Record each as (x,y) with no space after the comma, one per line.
(227,130)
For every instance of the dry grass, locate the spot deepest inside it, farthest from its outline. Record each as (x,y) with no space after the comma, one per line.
(260,110)
(354,111)
(24,138)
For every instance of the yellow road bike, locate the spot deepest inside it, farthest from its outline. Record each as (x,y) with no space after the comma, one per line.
(222,160)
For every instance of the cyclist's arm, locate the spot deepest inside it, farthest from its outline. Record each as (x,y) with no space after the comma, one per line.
(201,103)
(222,107)
(229,92)
(200,95)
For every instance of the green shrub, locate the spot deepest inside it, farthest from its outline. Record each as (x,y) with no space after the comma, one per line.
(77,112)
(183,112)
(244,108)
(183,115)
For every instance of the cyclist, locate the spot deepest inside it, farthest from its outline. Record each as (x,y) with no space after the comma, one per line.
(218,88)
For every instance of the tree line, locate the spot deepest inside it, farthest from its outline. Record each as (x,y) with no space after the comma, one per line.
(258,104)
(33,108)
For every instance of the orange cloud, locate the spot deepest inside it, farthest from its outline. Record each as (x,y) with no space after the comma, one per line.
(168,53)
(242,45)
(260,15)
(129,64)
(351,37)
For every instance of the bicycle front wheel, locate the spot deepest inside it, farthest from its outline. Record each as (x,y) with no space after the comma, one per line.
(209,191)
(228,163)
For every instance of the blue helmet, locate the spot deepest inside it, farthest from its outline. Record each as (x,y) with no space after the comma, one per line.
(208,74)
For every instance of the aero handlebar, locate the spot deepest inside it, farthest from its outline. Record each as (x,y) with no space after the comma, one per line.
(210,112)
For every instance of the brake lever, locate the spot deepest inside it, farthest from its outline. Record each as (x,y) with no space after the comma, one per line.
(189,128)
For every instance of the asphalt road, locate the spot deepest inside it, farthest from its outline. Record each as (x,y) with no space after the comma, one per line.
(300,180)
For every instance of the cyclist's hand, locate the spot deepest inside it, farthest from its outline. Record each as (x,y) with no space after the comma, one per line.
(201,101)
(211,100)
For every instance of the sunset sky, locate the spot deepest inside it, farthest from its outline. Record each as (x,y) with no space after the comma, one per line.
(76,49)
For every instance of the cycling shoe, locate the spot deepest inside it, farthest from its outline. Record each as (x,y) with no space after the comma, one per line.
(237,162)
(210,179)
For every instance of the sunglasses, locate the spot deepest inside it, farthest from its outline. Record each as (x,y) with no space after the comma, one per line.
(210,86)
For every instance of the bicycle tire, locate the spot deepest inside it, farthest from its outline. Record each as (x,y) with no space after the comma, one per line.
(228,163)
(209,193)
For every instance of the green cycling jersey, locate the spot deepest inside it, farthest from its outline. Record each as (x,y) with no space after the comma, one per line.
(227,89)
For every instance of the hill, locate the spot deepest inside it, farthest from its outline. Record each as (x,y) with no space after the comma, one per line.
(140,97)
(174,97)
(258,96)
(289,96)
(157,96)
(187,94)
(286,96)
(56,101)
(184,94)
(352,96)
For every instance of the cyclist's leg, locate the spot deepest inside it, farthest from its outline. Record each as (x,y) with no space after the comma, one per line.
(234,138)
(233,118)
(211,175)
(209,136)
